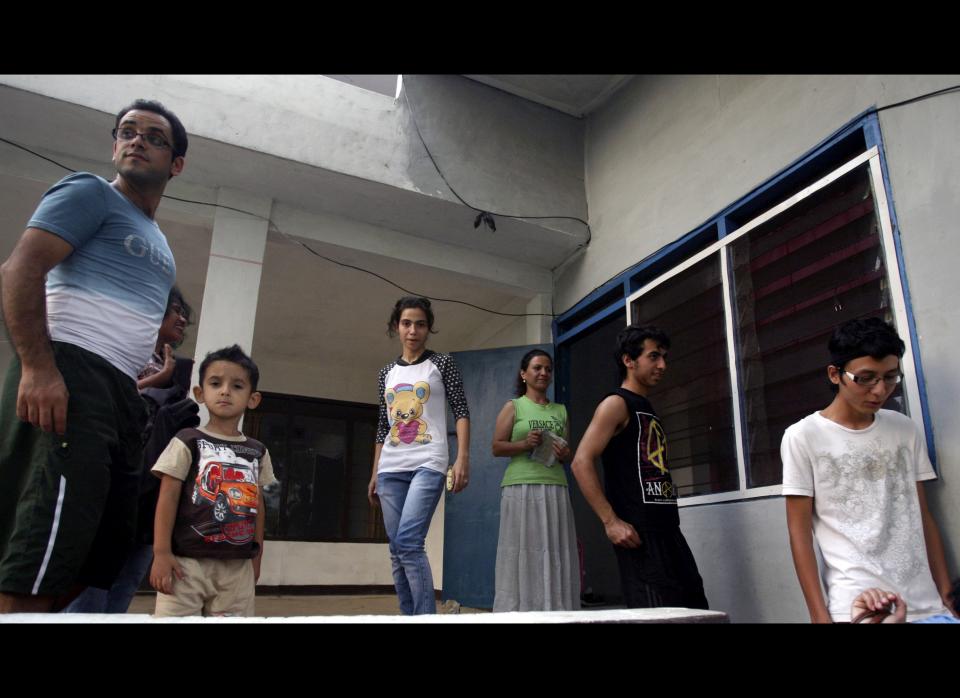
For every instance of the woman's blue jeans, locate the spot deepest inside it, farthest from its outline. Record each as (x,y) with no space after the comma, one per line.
(408,500)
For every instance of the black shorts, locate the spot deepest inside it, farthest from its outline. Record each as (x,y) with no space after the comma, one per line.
(68,503)
(661,572)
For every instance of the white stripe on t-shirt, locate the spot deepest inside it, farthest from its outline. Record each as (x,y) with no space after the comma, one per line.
(92,321)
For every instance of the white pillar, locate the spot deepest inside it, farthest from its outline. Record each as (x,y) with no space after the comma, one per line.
(232,288)
(539,329)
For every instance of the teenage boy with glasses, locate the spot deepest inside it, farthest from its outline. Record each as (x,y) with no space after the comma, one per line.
(84,294)
(852,477)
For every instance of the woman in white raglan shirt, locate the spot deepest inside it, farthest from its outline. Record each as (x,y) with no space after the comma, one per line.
(410,458)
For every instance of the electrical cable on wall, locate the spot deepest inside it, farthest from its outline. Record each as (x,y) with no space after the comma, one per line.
(276,228)
(485,217)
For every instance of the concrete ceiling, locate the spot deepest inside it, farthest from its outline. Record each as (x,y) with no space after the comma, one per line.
(79,137)
(577,95)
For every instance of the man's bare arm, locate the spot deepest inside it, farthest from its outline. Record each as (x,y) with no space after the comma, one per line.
(42,397)
(935,554)
(610,416)
(800,527)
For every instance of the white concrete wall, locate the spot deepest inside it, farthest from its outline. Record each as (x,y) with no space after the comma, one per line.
(667,153)
(343,564)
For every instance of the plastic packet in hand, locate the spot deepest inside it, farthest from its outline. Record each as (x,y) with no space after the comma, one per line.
(544,453)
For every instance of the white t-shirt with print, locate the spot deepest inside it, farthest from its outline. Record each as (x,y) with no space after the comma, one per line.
(866,513)
(413,412)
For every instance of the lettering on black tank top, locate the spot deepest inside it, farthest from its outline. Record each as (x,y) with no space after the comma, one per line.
(656,485)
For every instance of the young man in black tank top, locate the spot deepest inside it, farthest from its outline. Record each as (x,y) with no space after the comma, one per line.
(639,508)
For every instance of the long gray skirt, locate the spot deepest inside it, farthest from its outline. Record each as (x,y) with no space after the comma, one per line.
(538,568)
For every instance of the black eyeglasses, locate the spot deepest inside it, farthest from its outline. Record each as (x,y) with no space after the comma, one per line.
(125,133)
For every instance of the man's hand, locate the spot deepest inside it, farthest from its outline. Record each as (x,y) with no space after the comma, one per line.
(165,566)
(42,399)
(621,533)
(42,396)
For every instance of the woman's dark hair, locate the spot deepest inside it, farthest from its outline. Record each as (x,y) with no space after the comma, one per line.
(524,363)
(409,302)
(176,299)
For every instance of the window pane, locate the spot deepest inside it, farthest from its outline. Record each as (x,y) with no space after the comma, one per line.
(322,453)
(316,480)
(271,429)
(693,400)
(797,276)
(364,521)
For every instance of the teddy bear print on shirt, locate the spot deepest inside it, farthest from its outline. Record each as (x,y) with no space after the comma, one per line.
(405,404)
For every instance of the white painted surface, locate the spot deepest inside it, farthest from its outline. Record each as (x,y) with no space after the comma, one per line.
(539,330)
(288,563)
(232,286)
(618,616)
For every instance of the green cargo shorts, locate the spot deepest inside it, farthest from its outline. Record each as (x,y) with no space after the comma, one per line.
(68,503)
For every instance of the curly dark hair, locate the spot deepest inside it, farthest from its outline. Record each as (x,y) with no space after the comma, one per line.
(409,302)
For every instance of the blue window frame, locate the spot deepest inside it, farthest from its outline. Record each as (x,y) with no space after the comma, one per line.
(845,254)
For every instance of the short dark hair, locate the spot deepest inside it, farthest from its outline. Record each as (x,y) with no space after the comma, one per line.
(524,363)
(176,126)
(409,302)
(630,342)
(866,336)
(233,354)
(863,336)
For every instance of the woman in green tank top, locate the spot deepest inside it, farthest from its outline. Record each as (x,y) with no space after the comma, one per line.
(537,562)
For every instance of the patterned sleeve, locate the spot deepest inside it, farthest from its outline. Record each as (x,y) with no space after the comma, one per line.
(383,424)
(453,385)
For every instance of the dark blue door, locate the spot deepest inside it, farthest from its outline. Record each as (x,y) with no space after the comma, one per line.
(472,517)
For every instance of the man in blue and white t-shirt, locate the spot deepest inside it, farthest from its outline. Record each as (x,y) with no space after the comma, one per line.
(84,294)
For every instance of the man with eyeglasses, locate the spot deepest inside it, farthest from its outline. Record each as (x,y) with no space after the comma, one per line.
(84,294)
(852,477)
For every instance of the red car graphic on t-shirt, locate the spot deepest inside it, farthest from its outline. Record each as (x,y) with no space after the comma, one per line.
(230,487)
